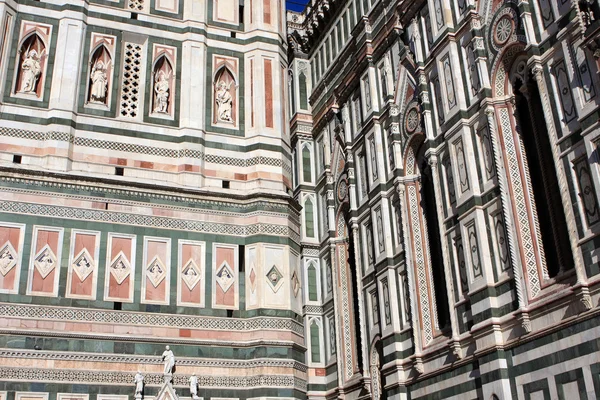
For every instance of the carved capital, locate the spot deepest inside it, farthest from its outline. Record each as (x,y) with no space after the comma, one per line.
(538,72)
(419,365)
(456,349)
(585,300)
(525,321)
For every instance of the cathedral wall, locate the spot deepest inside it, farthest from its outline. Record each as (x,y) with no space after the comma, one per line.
(452,142)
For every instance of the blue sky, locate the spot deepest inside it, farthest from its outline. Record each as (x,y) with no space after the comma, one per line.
(295,5)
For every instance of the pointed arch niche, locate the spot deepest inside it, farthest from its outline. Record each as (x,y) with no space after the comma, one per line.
(162,104)
(100,71)
(31,60)
(540,227)
(425,243)
(225,92)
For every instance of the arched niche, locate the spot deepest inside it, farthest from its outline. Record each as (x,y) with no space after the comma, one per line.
(31,66)
(225,97)
(425,242)
(100,76)
(163,91)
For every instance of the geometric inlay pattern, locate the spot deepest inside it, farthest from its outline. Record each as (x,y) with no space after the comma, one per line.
(156,271)
(295,283)
(421,267)
(225,276)
(148,319)
(191,274)
(124,378)
(83,264)
(8,258)
(45,261)
(252,278)
(147,220)
(275,278)
(120,267)
(346,312)
(522,217)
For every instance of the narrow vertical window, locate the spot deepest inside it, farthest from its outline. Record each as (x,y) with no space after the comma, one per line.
(312,283)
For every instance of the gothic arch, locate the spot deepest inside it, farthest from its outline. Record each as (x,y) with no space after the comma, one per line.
(163,84)
(225,99)
(31,67)
(100,75)
(424,242)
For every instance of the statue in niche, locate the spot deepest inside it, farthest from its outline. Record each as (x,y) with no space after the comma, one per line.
(194,386)
(31,69)
(139,384)
(99,80)
(224,101)
(161,90)
(169,362)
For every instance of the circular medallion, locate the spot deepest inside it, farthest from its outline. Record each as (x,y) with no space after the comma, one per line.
(412,120)
(342,190)
(504,30)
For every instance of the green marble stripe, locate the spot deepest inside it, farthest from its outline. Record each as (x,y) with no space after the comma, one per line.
(398,355)
(558,357)
(396,338)
(495,312)
(491,291)
(107,346)
(595,370)
(537,386)
(496,355)
(470,385)
(556,336)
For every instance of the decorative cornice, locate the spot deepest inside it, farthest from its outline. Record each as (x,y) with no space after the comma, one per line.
(150,379)
(154,360)
(148,319)
(148,220)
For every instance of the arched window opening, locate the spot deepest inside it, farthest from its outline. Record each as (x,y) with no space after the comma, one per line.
(315,342)
(100,77)
(309,223)
(428,205)
(32,58)
(303,91)
(163,86)
(312,283)
(306,165)
(543,179)
(352,268)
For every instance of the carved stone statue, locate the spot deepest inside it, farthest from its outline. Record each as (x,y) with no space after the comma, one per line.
(139,384)
(31,71)
(169,362)
(224,102)
(194,386)
(99,83)
(161,89)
